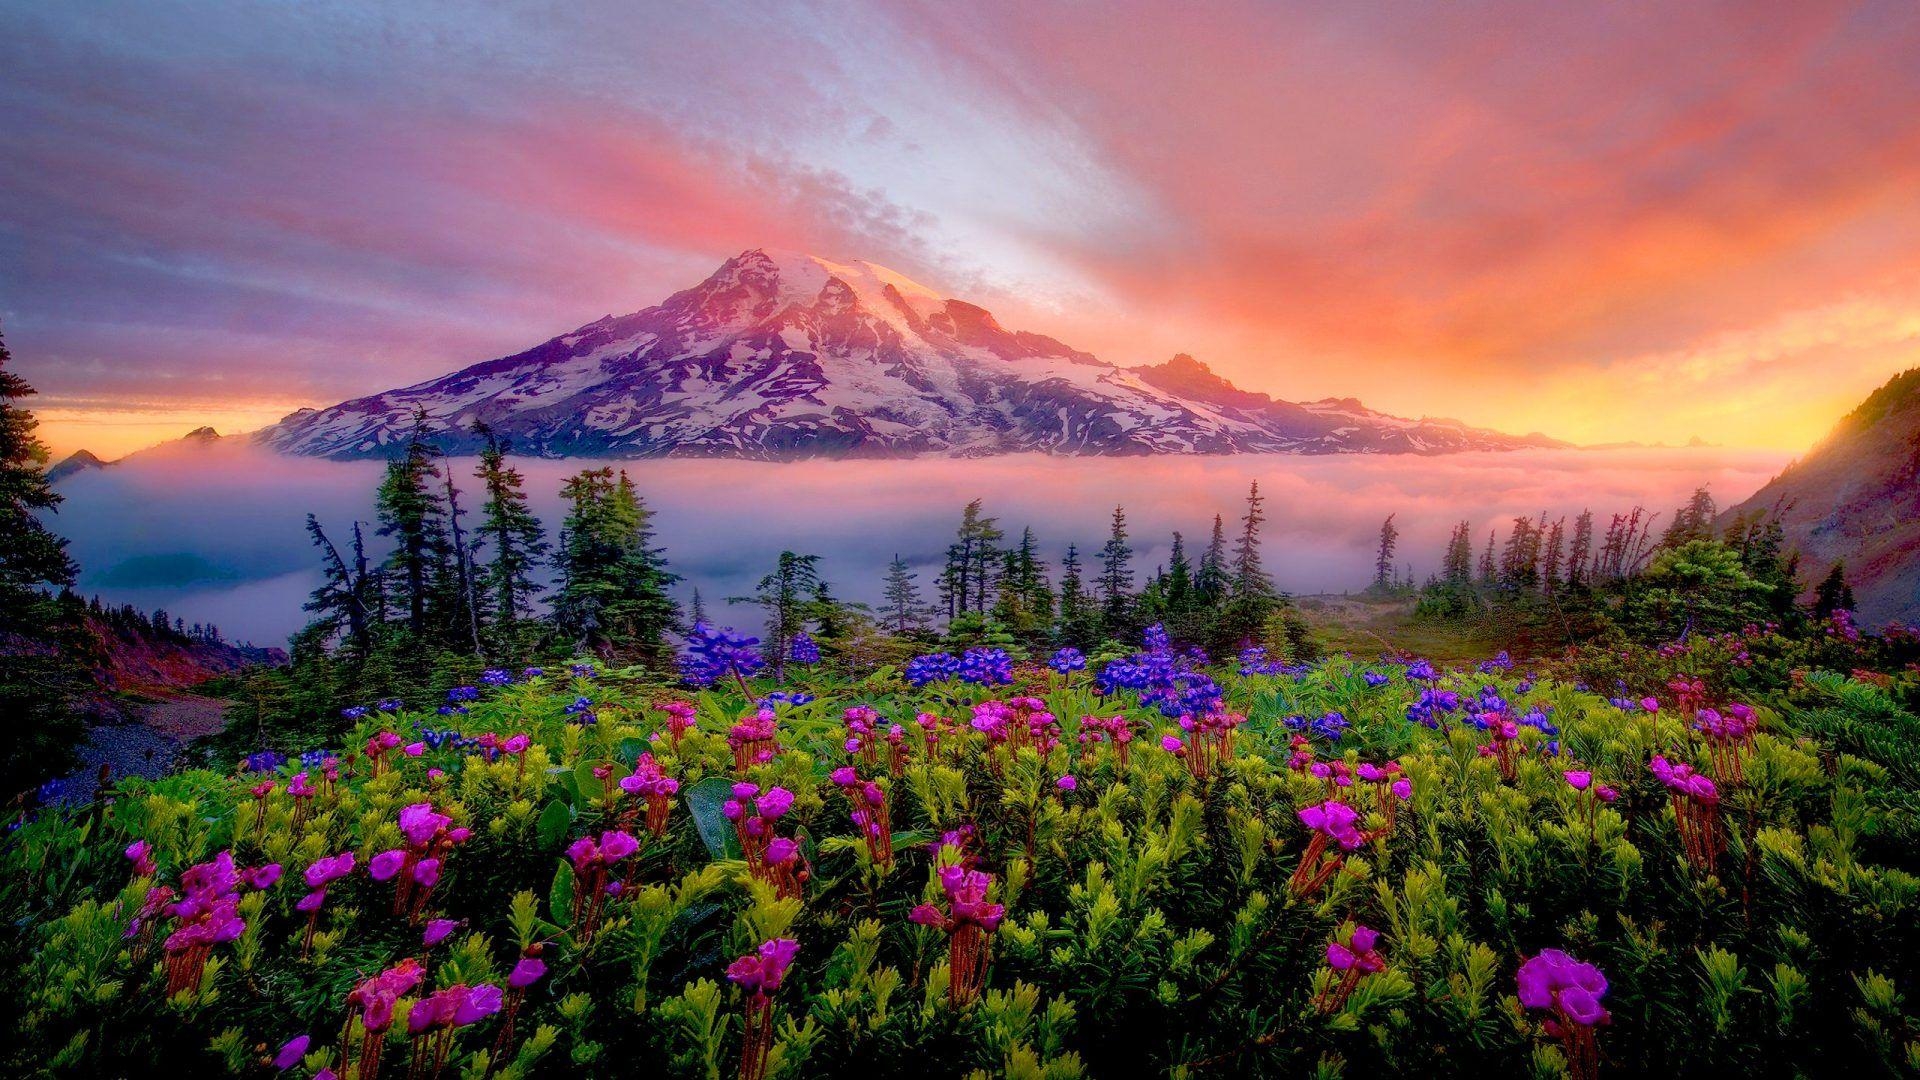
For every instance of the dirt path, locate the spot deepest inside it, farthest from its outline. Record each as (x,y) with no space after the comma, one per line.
(147,746)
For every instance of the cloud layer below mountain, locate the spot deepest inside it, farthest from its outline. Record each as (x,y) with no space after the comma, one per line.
(215,534)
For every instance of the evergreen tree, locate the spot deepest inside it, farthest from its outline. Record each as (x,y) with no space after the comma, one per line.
(458,592)
(518,543)
(1457,566)
(1249,577)
(41,676)
(964,584)
(340,604)
(698,613)
(1116,578)
(1487,567)
(1024,604)
(1253,601)
(410,513)
(1833,593)
(1694,521)
(1553,555)
(1580,554)
(1211,582)
(793,596)
(906,612)
(612,596)
(1383,557)
(1079,622)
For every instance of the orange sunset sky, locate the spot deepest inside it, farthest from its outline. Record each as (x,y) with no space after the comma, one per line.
(1606,222)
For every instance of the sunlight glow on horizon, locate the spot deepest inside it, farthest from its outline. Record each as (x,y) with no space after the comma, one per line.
(1603,224)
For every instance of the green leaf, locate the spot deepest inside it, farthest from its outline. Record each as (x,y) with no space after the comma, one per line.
(560,896)
(706,801)
(631,749)
(555,822)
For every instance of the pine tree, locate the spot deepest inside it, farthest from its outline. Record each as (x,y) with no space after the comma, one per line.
(1694,521)
(1457,566)
(340,602)
(1833,593)
(1079,621)
(411,514)
(459,594)
(612,596)
(1211,582)
(1487,569)
(697,613)
(518,543)
(1553,555)
(1383,558)
(41,674)
(1249,577)
(793,596)
(1580,554)
(1116,577)
(906,612)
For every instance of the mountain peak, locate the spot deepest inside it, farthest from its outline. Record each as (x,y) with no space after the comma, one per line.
(797,278)
(780,354)
(77,462)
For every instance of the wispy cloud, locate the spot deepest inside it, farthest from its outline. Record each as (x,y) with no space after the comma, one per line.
(1523,215)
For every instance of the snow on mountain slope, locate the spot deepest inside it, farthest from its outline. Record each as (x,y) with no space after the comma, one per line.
(780,355)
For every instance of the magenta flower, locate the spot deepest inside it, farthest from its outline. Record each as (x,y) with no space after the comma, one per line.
(386,864)
(527,972)
(762,971)
(427,872)
(1067,783)
(437,931)
(1402,789)
(1544,982)
(263,877)
(774,803)
(328,870)
(517,744)
(1579,779)
(419,823)
(477,1004)
(140,853)
(291,1052)
(1336,820)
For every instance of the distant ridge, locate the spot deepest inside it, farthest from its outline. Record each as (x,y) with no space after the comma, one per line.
(778,355)
(1856,497)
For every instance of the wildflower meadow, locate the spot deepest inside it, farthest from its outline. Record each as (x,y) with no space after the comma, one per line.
(1138,863)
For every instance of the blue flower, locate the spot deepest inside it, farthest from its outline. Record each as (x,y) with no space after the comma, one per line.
(392,704)
(986,667)
(931,668)
(584,671)
(533,673)
(1422,670)
(1374,679)
(804,649)
(580,711)
(494,676)
(265,761)
(353,712)
(1068,660)
(1156,638)
(713,654)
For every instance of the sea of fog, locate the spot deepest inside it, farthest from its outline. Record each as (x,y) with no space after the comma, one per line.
(216,533)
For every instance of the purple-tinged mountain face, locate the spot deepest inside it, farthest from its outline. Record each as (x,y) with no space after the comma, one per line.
(780,356)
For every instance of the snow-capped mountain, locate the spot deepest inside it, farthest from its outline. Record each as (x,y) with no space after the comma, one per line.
(780,355)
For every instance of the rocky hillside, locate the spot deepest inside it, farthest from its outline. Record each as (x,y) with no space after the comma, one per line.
(779,355)
(1856,497)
